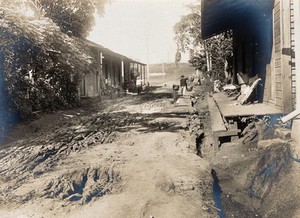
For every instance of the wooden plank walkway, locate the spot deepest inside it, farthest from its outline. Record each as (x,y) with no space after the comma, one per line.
(231,108)
(222,111)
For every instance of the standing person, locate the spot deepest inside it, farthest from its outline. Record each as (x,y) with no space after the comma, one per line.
(139,85)
(125,87)
(183,84)
(175,93)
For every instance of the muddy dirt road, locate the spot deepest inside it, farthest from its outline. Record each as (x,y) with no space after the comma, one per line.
(130,157)
(144,156)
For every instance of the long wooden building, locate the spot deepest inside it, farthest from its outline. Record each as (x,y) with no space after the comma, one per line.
(112,69)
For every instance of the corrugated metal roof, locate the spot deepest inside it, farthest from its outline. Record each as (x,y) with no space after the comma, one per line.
(220,15)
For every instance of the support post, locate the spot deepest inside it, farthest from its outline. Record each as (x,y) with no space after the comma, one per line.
(122,71)
(101,75)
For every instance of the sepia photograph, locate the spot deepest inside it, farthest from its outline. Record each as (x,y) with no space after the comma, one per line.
(149,108)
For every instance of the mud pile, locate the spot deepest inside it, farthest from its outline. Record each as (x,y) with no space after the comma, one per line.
(82,185)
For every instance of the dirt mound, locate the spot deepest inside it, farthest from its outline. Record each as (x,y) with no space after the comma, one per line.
(83,185)
(80,185)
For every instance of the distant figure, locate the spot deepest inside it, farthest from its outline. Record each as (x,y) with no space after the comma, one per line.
(125,87)
(183,84)
(193,100)
(199,81)
(139,83)
(175,93)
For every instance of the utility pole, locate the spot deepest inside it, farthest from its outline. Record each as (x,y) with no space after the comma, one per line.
(163,71)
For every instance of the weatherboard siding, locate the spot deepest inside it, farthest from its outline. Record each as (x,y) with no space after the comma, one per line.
(277,45)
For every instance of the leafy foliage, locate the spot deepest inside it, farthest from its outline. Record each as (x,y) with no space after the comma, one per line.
(42,66)
(187,33)
(188,38)
(219,48)
(74,17)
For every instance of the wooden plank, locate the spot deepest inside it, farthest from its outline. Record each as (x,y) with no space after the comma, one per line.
(276,2)
(234,132)
(278,71)
(279,102)
(276,15)
(252,88)
(278,47)
(278,78)
(231,108)
(277,39)
(277,24)
(217,123)
(278,86)
(277,32)
(279,94)
(277,55)
(278,63)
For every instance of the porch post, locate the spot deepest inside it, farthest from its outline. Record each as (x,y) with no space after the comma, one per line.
(147,72)
(122,71)
(144,71)
(101,74)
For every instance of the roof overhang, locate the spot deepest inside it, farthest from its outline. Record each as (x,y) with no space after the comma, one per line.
(111,53)
(220,15)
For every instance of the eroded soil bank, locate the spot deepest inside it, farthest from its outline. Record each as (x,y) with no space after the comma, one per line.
(257,177)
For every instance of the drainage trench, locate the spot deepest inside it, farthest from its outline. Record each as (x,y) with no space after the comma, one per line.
(231,199)
(217,191)
(262,173)
(242,176)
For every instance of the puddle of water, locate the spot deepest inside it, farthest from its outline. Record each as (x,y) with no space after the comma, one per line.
(217,191)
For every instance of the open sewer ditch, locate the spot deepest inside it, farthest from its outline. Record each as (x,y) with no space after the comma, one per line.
(263,174)
(244,181)
(217,191)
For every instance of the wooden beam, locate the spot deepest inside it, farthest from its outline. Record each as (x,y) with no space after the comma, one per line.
(217,123)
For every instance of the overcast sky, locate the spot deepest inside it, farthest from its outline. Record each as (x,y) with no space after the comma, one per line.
(140,29)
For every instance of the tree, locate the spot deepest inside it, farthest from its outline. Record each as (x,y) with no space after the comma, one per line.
(74,17)
(187,33)
(219,49)
(177,57)
(205,55)
(41,66)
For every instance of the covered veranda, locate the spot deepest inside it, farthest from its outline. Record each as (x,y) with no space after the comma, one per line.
(251,25)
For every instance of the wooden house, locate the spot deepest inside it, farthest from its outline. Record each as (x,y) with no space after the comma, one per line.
(266,38)
(112,70)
